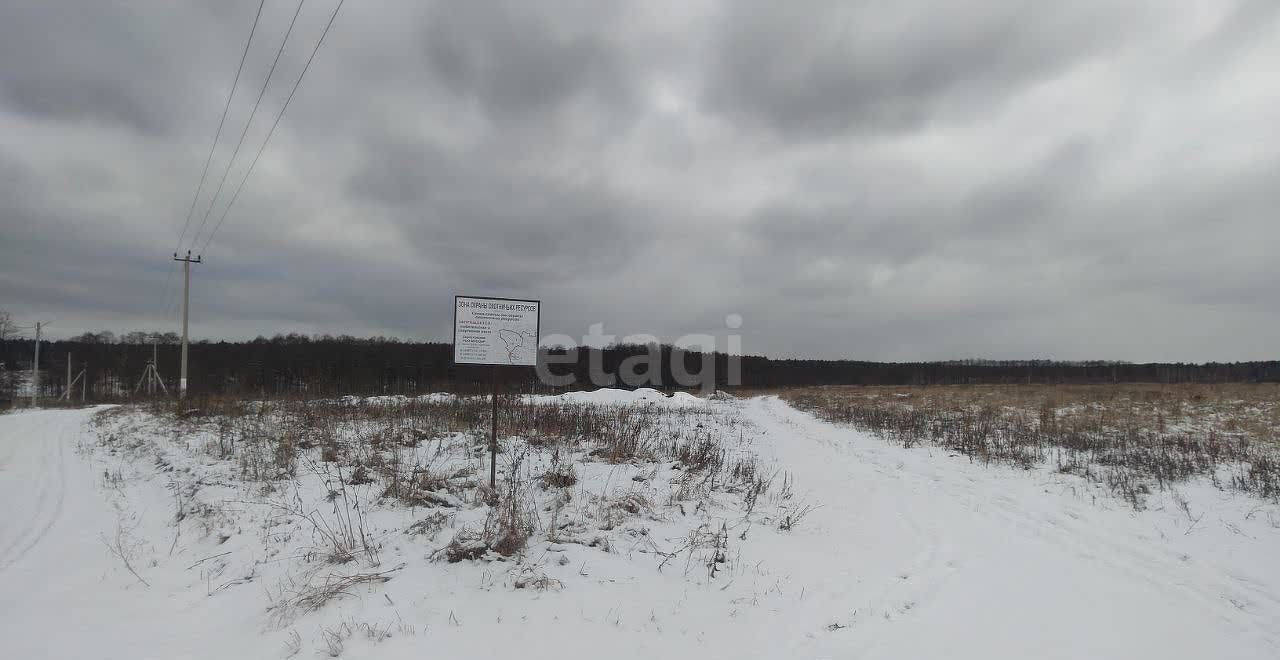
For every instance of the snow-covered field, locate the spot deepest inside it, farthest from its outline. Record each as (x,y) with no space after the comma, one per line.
(130,537)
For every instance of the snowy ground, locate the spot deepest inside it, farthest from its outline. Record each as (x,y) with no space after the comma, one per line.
(909,553)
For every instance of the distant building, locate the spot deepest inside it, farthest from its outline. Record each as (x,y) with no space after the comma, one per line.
(6,384)
(20,387)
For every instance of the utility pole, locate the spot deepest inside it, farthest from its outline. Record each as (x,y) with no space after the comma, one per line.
(35,369)
(66,389)
(71,384)
(186,301)
(151,375)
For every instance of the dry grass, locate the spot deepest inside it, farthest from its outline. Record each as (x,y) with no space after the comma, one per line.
(1130,437)
(269,440)
(315,590)
(431,452)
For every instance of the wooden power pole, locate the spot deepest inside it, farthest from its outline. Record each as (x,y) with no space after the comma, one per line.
(35,369)
(71,382)
(186,302)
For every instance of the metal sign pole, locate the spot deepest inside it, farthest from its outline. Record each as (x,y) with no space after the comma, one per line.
(493,435)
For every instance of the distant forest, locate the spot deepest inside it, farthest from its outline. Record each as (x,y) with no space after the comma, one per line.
(347,365)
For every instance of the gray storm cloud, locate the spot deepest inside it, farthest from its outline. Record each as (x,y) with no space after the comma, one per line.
(873,180)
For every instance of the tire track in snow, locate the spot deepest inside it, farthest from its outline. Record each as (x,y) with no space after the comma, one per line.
(6,455)
(910,587)
(910,591)
(49,491)
(1217,592)
(1241,603)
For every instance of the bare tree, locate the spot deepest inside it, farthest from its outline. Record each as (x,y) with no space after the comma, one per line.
(8,328)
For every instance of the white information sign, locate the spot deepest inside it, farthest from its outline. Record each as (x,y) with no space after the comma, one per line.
(495,331)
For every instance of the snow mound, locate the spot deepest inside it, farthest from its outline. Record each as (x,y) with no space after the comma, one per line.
(396,399)
(619,397)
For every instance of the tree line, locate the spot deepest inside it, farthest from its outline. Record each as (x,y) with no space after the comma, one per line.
(335,366)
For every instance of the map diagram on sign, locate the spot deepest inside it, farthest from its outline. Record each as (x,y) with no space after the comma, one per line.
(519,344)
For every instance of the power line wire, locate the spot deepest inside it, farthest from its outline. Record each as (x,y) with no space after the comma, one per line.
(204,172)
(252,113)
(218,135)
(276,123)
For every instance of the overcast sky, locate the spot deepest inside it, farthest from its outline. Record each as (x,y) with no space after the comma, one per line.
(898,180)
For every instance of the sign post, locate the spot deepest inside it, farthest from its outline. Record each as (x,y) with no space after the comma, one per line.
(496,332)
